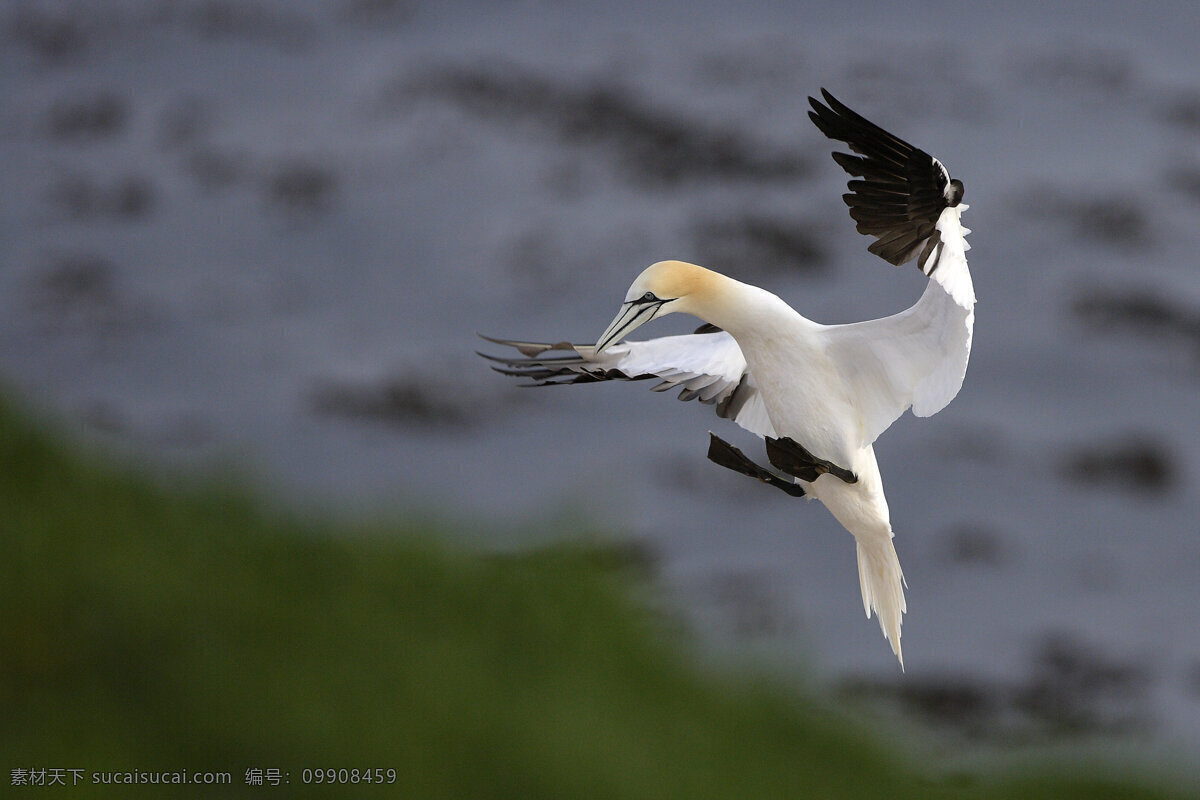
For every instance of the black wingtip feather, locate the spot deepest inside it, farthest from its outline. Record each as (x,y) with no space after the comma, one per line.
(898,192)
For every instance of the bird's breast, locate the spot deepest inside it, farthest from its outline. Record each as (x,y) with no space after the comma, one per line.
(806,398)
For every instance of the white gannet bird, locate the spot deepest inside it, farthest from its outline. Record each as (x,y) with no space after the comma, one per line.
(818,394)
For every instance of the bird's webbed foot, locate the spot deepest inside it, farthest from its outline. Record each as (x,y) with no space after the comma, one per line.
(723,453)
(791,457)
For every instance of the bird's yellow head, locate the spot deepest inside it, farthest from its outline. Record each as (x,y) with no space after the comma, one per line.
(663,288)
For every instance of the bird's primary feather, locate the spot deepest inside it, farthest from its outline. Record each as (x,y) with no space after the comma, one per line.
(708,367)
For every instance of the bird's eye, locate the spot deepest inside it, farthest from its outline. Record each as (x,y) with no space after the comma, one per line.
(649,297)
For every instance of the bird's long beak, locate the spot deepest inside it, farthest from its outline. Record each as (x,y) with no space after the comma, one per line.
(631,316)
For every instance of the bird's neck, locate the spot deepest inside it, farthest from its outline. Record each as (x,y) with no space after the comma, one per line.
(743,310)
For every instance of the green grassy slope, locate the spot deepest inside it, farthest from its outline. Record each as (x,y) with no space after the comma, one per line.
(146,628)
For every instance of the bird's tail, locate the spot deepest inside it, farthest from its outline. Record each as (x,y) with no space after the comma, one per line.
(882,584)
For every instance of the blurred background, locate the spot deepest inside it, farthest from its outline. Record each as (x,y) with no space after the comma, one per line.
(261,236)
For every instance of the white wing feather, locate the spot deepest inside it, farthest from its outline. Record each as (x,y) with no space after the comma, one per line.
(918,357)
(709,367)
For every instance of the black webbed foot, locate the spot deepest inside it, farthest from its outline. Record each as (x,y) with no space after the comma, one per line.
(791,457)
(723,453)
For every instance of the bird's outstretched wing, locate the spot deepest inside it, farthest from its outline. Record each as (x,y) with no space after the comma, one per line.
(906,199)
(707,366)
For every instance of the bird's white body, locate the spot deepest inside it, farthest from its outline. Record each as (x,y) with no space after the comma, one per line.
(829,389)
(808,400)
